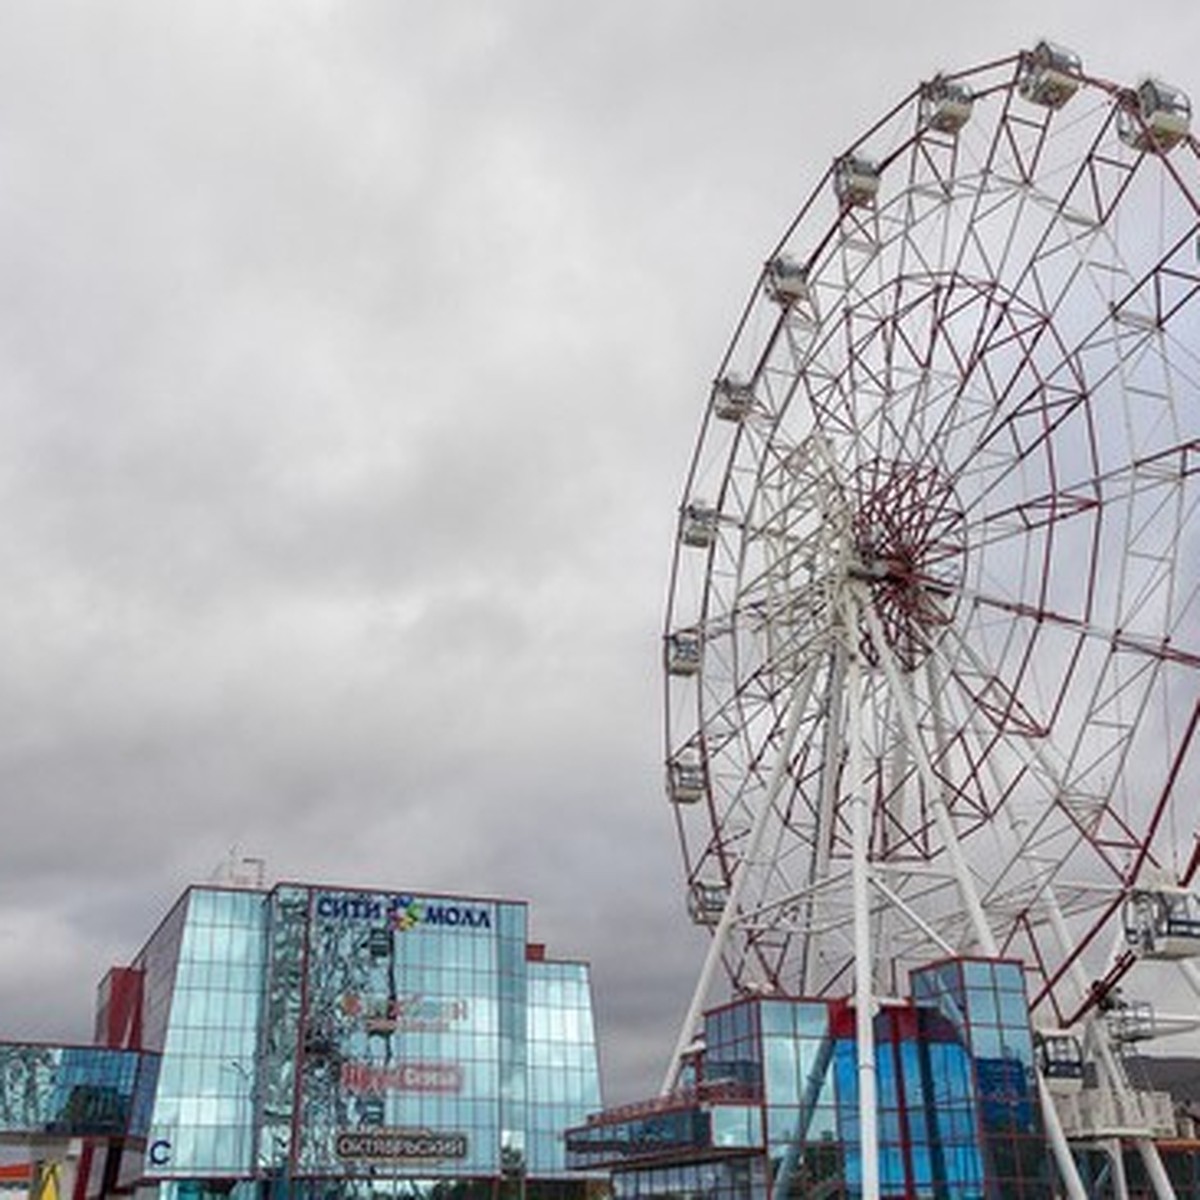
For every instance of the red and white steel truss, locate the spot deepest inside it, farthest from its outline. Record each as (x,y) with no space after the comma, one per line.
(936,590)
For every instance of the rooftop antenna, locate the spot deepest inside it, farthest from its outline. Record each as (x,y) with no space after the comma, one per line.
(240,870)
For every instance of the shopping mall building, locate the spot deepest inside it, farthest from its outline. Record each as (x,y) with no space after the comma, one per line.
(316,1041)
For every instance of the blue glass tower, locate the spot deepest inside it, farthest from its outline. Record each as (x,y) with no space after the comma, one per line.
(769,1106)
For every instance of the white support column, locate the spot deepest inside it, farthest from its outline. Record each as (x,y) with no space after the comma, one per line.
(800,699)
(945,825)
(1063,1158)
(864,990)
(966,884)
(1033,757)
(1161,1181)
(901,905)
(826,813)
(1116,1153)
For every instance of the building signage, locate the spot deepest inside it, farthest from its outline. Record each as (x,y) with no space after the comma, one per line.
(364,1078)
(402,912)
(399,1145)
(413,1013)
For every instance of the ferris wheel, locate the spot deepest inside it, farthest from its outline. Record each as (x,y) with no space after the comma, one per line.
(932,649)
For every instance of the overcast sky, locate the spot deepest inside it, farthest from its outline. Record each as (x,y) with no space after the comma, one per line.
(351,358)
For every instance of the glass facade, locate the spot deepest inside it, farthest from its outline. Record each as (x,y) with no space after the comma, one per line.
(203,993)
(342,1042)
(769,1107)
(327,1042)
(986,1004)
(412,1036)
(76,1091)
(561,1044)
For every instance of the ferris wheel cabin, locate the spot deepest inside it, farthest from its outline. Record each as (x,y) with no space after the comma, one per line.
(1060,1058)
(706,902)
(699,526)
(1156,117)
(732,398)
(684,652)
(1050,75)
(786,280)
(1164,923)
(855,180)
(685,779)
(945,106)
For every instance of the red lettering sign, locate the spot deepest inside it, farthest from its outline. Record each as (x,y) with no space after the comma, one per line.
(374,1078)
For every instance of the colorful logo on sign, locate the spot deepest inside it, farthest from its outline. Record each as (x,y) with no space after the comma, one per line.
(406,913)
(403,913)
(363,1078)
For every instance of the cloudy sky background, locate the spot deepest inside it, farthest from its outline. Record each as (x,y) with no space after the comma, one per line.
(351,357)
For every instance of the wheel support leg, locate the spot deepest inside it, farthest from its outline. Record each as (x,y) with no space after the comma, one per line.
(864,997)
(779,774)
(966,883)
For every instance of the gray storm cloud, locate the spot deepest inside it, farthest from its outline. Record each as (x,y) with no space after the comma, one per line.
(351,357)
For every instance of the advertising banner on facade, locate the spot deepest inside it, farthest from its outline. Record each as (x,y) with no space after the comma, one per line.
(403,1048)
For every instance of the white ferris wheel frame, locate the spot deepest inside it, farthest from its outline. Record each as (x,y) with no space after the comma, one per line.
(933,642)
